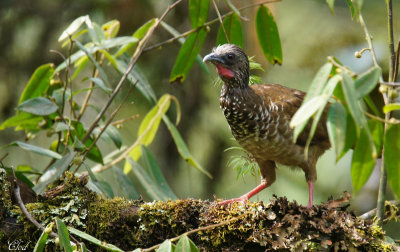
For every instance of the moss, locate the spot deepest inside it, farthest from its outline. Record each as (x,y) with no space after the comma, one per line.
(5,194)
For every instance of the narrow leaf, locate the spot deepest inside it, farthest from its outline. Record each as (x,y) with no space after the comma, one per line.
(187,55)
(72,28)
(21,120)
(392,150)
(351,7)
(174,32)
(185,245)
(36,149)
(362,163)
(150,187)
(63,235)
(367,81)
(54,172)
(390,107)
(268,35)
(337,126)
(99,83)
(125,184)
(352,101)
(102,244)
(166,246)
(307,110)
(233,28)
(198,12)
(182,148)
(41,243)
(149,127)
(38,83)
(38,106)
(151,164)
(114,135)
(331,4)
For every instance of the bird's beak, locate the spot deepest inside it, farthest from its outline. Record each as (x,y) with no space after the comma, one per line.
(213,58)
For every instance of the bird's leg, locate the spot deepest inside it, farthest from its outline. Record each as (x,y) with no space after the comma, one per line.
(310,194)
(267,170)
(245,197)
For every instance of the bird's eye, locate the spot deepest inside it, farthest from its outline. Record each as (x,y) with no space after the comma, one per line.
(231,56)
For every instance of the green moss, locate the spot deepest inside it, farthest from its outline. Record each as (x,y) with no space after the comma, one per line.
(5,194)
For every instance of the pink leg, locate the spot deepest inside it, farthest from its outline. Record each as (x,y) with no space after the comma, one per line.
(310,194)
(244,198)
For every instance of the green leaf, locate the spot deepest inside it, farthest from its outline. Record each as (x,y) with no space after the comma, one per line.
(304,113)
(331,4)
(392,150)
(351,7)
(233,28)
(78,132)
(198,12)
(54,172)
(315,89)
(63,235)
(149,127)
(111,28)
(95,32)
(376,129)
(367,81)
(137,79)
(185,245)
(22,120)
(99,83)
(362,163)
(36,149)
(38,106)
(125,184)
(175,33)
(151,165)
(38,83)
(41,243)
(337,126)
(102,244)
(93,60)
(114,135)
(352,101)
(150,187)
(232,7)
(268,35)
(351,135)
(182,148)
(166,246)
(138,34)
(390,107)
(187,55)
(72,28)
(326,92)
(119,41)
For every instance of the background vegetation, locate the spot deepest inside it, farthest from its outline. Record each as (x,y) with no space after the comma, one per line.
(308,31)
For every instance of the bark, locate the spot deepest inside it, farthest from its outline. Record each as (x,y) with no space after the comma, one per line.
(257,226)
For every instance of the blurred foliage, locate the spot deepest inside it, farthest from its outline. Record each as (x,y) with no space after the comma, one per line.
(308,32)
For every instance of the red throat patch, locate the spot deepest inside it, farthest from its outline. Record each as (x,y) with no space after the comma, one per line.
(225,72)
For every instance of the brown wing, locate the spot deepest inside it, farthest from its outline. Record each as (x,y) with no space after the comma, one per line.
(290,100)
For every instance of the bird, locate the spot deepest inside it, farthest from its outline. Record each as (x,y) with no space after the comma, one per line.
(259,116)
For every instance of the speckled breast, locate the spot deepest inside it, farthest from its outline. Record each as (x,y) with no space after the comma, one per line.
(260,128)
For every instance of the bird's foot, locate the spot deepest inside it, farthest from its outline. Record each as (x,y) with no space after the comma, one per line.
(243,199)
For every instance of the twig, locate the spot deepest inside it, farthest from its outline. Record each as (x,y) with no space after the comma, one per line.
(220,20)
(343,68)
(391,121)
(118,122)
(185,34)
(103,128)
(134,58)
(17,194)
(372,213)
(393,84)
(3,157)
(134,145)
(197,230)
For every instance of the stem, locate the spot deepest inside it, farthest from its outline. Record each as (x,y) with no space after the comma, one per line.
(220,20)
(134,59)
(168,41)
(383,180)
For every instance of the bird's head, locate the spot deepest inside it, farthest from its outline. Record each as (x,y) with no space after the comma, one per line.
(232,64)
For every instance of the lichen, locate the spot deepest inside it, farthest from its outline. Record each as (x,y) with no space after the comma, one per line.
(5,194)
